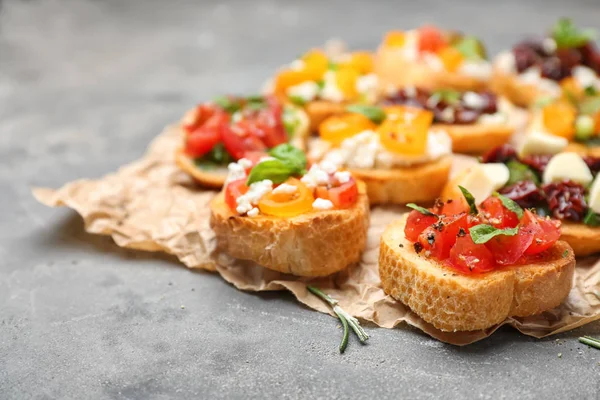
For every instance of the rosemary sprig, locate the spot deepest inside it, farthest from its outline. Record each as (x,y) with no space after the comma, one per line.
(590,341)
(347,320)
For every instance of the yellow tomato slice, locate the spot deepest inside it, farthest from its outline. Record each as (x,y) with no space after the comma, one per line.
(290,77)
(288,205)
(451,58)
(315,64)
(361,61)
(559,118)
(346,78)
(395,39)
(406,133)
(339,127)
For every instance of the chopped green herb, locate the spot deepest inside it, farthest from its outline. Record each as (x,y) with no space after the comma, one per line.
(565,254)
(470,200)
(422,210)
(591,218)
(567,35)
(584,128)
(217,157)
(510,204)
(449,96)
(590,105)
(520,172)
(374,113)
(227,104)
(471,48)
(590,91)
(483,233)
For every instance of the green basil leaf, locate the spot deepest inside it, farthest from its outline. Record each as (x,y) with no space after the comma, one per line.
(299,101)
(591,218)
(510,204)
(422,210)
(449,96)
(291,156)
(567,35)
(471,48)
(374,113)
(590,105)
(230,106)
(483,233)
(274,170)
(590,91)
(470,200)
(520,172)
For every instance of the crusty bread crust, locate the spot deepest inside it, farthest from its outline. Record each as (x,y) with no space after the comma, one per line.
(518,93)
(317,243)
(419,183)
(583,149)
(319,110)
(454,302)
(394,70)
(584,240)
(477,138)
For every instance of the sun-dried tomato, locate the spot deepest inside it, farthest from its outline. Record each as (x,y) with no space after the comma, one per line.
(524,193)
(566,200)
(537,161)
(500,154)
(593,163)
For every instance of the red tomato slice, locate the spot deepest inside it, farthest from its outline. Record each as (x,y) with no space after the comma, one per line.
(455,206)
(201,140)
(545,232)
(201,114)
(469,257)
(440,237)
(233,190)
(498,215)
(430,39)
(508,249)
(417,223)
(238,140)
(342,196)
(271,121)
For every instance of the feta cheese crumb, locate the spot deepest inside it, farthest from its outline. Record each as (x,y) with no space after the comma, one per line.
(585,77)
(307,91)
(366,83)
(410,91)
(285,188)
(253,212)
(236,171)
(315,177)
(245,163)
(447,114)
(474,100)
(331,91)
(505,62)
(322,204)
(481,70)
(342,176)
(328,167)
(549,46)
(257,190)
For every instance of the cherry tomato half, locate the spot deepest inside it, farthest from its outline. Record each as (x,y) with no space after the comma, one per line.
(545,232)
(233,190)
(468,257)
(201,140)
(342,196)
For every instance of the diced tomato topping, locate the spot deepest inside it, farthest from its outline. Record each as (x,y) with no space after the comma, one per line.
(454,206)
(342,196)
(201,140)
(508,249)
(238,141)
(233,190)
(466,256)
(441,236)
(416,223)
(267,123)
(497,215)
(430,39)
(200,115)
(545,232)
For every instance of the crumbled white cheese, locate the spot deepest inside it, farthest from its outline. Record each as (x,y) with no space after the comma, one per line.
(367,83)
(322,204)
(447,115)
(256,191)
(433,61)
(410,91)
(245,163)
(315,176)
(498,118)
(317,149)
(253,212)
(549,45)
(285,188)
(585,77)
(330,90)
(307,91)
(410,50)
(433,100)
(533,76)
(237,170)
(328,167)
(342,176)
(505,62)
(236,117)
(474,100)
(481,70)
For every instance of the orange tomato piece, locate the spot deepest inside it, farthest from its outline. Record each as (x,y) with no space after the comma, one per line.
(395,39)
(597,122)
(290,77)
(288,204)
(570,87)
(339,127)
(559,118)
(406,133)
(361,61)
(451,58)
(346,78)
(431,39)
(315,64)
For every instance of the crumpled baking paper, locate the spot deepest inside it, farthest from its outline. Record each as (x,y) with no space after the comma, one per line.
(151,205)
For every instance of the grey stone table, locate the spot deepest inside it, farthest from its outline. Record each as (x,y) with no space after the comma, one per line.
(84,86)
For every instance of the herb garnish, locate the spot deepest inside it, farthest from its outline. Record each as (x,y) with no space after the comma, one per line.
(470,200)
(520,172)
(510,204)
(287,161)
(483,233)
(591,218)
(229,104)
(420,209)
(449,96)
(590,341)
(471,48)
(565,254)
(374,113)
(346,319)
(567,35)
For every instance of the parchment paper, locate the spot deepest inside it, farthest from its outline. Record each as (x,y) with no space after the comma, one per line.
(150,205)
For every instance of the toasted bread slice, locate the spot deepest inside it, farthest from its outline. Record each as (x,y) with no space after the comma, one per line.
(419,183)
(454,302)
(520,94)
(317,243)
(582,149)
(319,110)
(214,178)
(477,138)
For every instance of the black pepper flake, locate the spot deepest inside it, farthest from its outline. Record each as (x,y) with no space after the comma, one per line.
(461,232)
(401,245)
(438,226)
(418,247)
(430,238)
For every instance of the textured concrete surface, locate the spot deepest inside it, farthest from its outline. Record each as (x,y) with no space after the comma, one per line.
(84,85)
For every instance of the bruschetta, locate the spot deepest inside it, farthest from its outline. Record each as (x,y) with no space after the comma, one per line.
(277,214)
(227,129)
(394,150)
(431,58)
(323,83)
(463,268)
(540,175)
(543,67)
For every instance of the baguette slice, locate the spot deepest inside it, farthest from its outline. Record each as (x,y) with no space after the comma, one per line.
(520,94)
(477,138)
(454,302)
(214,178)
(317,243)
(420,183)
